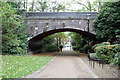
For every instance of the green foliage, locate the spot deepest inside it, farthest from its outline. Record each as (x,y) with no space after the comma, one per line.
(79,43)
(44,45)
(16,6)
(48,44)
(47,6)
(107,53)
(13,31)
(84,48)
(19,66)
(75,48)
(116,60)
(103,43)
(51,48)
(88,6)
(106,25)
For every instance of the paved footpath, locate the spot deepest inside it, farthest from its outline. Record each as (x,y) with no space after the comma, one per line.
(66,65)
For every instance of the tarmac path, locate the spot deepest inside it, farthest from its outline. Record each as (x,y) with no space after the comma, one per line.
(66,65)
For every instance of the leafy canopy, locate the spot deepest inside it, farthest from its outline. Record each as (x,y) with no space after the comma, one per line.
(107,22)
(13,31)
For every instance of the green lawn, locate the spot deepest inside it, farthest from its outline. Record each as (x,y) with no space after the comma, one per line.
(18,66)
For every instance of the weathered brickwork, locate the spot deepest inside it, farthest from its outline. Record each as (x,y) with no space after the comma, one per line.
(39,23)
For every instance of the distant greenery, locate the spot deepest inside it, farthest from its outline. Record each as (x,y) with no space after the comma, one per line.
(51,48)
(14,34)
(18,66)
(79,42)
(43,45)
(48,43)
(46,6)
(106,24)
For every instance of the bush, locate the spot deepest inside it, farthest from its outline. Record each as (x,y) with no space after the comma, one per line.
(75,48)
(84,48)
(106,52)
(106,25)
(79,42)
(116,60)
(14,36)
(103,43)
(51,48)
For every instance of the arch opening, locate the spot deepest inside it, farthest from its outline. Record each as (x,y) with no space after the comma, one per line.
(39,37)
(47,33)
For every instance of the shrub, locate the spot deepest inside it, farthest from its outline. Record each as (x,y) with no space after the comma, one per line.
(106,25)
(51,48)
(117,47)
(14,36)
(85,48)
(103,43)
(104,53)
(116,60)
(107,52)
(75,48)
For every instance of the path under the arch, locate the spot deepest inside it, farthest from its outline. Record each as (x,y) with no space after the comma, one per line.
(66,65)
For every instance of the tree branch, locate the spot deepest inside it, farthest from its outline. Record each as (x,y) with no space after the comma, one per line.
(83,5)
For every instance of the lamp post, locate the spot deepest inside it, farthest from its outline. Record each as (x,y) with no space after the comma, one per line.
(57,43)
(88,17)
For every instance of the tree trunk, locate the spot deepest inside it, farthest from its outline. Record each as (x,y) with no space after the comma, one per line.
(32,5)
(99,5)
(89,5)
(24,4)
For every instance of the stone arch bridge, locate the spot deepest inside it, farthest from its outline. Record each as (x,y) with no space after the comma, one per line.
(42,24)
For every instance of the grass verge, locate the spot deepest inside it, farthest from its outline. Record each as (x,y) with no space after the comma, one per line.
(18,66)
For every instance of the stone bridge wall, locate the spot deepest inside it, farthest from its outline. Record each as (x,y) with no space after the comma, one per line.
(39,23)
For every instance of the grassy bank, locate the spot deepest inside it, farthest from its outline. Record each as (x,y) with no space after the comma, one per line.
(18,66)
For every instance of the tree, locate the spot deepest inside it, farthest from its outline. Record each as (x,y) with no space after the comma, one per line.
(13,31)
(46,6)
(89,6)
(61,37)
(79,42)
(42,6)
(106,25)
(32,5)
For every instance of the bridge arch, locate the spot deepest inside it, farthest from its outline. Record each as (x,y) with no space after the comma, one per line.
(36,39)
(50,32)
(42,24)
